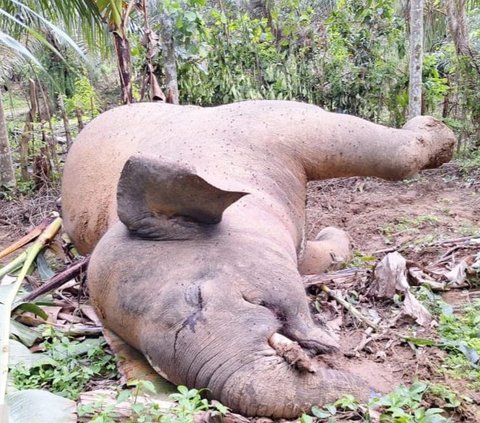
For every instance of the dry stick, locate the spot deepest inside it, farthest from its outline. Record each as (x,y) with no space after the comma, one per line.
(313,280)
(454,240)
(366,338)
(81,330)
(349,307)
(9,298)
(411,263)
(34,233)
(58,280)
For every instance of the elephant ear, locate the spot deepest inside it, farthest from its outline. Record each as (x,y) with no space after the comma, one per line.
(168,201)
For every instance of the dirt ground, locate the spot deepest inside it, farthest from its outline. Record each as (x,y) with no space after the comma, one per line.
(380,216)
(410,216)
(436,204)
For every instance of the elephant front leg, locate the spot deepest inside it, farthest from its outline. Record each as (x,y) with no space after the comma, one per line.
(331,246)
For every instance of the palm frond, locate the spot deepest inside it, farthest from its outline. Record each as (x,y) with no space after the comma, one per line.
(18,48)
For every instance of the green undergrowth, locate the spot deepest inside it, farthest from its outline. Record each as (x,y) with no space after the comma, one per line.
(470,164)
(423,402)
(143,408)
(459,336)
(403,405)
(66,366)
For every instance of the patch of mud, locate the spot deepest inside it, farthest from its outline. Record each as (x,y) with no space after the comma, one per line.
(459,299)
(380,373)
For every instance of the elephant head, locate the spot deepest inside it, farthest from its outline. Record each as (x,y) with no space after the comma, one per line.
(192,292)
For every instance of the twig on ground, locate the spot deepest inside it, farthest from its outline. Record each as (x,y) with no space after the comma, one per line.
(338,276)
(366,338)
(349,307)
(454,240)
(78,329)
(58,280)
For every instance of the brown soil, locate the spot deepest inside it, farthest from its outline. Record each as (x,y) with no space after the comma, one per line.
(408,216)
(437,204)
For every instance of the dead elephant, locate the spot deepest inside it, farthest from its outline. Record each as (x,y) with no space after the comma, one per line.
(197,218)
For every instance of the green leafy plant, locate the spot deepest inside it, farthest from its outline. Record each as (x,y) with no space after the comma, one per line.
(403,405)
(84,98)
(361,260)
(67,367)
(460,337)
(188,402)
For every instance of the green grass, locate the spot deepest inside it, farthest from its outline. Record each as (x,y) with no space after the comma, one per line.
(470,164)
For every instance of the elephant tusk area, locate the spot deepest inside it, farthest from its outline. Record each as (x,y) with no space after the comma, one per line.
(292,352)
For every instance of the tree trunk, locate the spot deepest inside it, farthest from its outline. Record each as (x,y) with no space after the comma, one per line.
(66,123)
(7,174)
(28,129)
(122,47)
(457,25)
(78,114)
(416,59)
(168,53)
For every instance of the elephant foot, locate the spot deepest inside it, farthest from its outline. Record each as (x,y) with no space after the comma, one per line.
(331,246)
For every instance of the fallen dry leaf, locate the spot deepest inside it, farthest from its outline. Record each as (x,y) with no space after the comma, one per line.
(390,277)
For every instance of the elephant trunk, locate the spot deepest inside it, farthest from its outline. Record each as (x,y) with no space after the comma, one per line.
(252,369)
(269,385)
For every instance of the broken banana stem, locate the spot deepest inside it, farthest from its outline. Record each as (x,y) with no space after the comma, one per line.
(34,233)
(292,352)
(14,264)
(6,307)
(353,311)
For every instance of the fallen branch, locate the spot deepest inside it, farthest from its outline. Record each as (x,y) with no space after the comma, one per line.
(349,307)
(58,280)
(338,276)
(34,233)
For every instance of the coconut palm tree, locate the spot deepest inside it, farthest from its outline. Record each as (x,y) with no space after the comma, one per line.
(31,19)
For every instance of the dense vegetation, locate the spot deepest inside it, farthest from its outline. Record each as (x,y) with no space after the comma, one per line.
(348,56)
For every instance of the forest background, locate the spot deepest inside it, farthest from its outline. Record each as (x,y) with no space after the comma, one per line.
(64,62)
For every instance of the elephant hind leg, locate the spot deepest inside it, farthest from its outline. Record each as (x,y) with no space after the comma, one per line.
(332,245)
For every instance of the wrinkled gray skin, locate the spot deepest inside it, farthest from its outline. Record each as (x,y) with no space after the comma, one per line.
(201,293)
